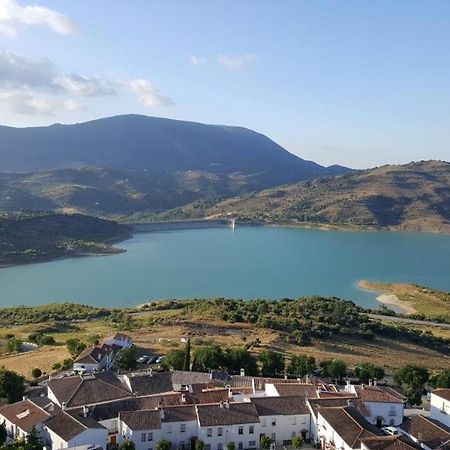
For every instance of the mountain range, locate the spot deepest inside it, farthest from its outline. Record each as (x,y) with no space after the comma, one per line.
(127,164)
(414,197)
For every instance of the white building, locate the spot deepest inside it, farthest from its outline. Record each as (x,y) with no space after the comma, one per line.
(227,422)
(384,405)
(440,406)
(343,428)
(282,418)
(94,359)
(65,430)
(119,339)
(19,418)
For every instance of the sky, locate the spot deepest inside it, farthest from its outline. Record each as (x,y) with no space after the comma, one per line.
(359,83)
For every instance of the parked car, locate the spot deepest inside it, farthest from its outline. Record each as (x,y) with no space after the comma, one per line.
(143,359)
(152,360)
(159,360)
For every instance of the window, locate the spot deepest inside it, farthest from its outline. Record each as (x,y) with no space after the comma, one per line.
(293,434)
(293,420)
(252,444)
(263,421)
(240,446)
(241,430)
(209,432)
(169,428)
(183,428)
(219,431)
(182,445)
(143,437)
(274,422)
(273,436)
(150,437)
(219,446)
(207,446)
(251,429)
(392,411)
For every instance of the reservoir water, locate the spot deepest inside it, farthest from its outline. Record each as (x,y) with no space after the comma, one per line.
(250,262)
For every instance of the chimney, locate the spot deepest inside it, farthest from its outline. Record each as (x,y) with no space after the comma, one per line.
(63,406)
(183,398)
(242,372)
(375,382)
(161,413)
(24,398)
(227,404)
(85,411)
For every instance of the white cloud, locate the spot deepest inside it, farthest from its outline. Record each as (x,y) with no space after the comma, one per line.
(13,16)
(88,87)
(34,86)
(73,106)
(23,103)
(235,64)
(147,94)
(197,60)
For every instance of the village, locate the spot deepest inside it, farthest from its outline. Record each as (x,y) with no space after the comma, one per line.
(97,408)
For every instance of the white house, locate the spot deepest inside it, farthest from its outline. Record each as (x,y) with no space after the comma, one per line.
(343,428)
(119,339)
(282,418)
(440,406)
(94,359)
(65,430)
(227,422)
(384,406)
(19,418)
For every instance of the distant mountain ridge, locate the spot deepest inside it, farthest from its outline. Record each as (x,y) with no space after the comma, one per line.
(414,197)
(127,164)
(155,144)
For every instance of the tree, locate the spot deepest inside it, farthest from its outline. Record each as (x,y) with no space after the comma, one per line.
(301,365)
(412,378)
(75,347)
(272,363)
(231,446)
(199,444)
(441,379)
(207,358)
(163,444)
(174,359)
(187,356)
(237,358)
(265,442)
(297,442)
(12,386)
(56,366)
(3,433)
(14,345)
(126,358)
(33,441)
(333,368)
(367,371)
(36,373)
(127,445)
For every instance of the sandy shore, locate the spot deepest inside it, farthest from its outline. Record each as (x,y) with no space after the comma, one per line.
(387,298)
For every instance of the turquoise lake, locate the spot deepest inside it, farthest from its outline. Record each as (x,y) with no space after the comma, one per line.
(250,262)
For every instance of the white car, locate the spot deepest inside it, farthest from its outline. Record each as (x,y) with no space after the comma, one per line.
(160,360)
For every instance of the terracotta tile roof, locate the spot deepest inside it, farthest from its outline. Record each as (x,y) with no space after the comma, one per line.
(147,384)
(67,426)
(317,404)
(280,406)
(184,413)
(443,393)
(24,414)
(350,425)
(117,337)
(397,442)
(88,389)
(142,420)
(210,396)
(295,389)
(227,414)
(92,355)
(187,378)
(377,395)
(430,432)
(46,404)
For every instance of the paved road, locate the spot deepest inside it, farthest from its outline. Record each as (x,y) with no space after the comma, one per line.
(412,321)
